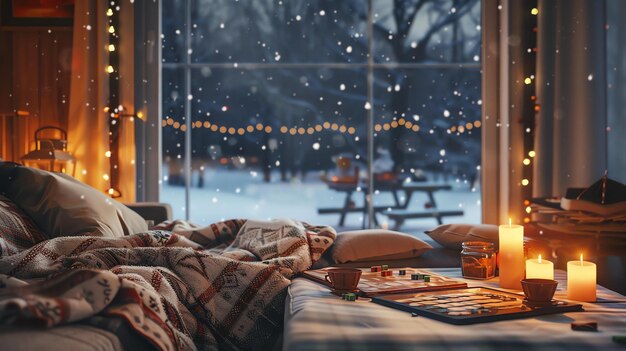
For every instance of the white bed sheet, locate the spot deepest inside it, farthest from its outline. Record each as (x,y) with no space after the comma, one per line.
(317,320)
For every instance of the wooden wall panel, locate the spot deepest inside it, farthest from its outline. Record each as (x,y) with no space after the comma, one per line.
(35,77)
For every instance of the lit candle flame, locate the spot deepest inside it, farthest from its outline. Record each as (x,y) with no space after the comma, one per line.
(510,223)
(539,259)
(581,259)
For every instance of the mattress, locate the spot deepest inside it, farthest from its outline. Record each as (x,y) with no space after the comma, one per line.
(67,337)
(96,333)
(317,320)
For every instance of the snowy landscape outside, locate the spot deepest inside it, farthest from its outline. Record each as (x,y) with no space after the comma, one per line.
(275,118)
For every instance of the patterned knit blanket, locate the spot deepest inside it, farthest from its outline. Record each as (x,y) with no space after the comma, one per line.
(181,287)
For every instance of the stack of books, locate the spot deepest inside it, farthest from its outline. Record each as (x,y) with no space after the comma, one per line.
(597,210)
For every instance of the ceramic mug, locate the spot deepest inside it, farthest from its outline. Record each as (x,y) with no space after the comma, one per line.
(343,278)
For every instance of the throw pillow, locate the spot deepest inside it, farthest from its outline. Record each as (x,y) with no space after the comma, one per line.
(376,244)
(453,235)
(17,231)
(62,206)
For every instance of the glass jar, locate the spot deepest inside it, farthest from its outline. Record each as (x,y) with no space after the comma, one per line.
(478,260)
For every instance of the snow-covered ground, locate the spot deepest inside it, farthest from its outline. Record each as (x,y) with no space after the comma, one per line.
(244,194)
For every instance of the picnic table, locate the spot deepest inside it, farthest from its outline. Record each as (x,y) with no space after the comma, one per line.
(398,211)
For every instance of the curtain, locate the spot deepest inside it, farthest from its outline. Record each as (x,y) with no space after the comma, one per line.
(571,91)
(88,131)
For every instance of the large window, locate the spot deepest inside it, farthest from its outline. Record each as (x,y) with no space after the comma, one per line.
(267,104)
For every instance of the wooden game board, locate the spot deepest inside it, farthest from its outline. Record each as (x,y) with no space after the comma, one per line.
(372,283)
(471,305)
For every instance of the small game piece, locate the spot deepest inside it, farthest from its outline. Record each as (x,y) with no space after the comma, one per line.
(426,278)
(402,272)
(415,276)
(619,339)
(385,267)
(386,273)
(376,268)
(589,326)
(350,297)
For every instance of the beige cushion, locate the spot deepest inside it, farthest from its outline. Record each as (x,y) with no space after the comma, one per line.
(62,206)
(376,244)
(452,235)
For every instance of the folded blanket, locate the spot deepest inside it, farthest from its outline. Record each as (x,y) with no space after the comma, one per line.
(181,287)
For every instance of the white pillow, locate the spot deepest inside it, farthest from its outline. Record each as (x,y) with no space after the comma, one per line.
(453,235)
(376,244)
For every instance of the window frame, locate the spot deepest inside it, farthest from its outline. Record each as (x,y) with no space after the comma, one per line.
(151,159)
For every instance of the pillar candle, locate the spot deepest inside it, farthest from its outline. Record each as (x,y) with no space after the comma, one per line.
(581,280)
(539,269)
(511,254)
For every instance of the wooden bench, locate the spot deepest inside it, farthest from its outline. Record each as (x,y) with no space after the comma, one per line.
(400,215)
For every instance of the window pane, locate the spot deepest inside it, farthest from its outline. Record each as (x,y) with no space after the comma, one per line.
(264,139)
(427,31)
(272,31)
(278,94)
(174,27)
(427,124)
(173,141)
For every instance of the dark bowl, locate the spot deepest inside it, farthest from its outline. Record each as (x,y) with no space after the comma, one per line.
(539,290)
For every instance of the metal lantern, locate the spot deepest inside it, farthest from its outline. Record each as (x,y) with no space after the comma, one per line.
(50,151)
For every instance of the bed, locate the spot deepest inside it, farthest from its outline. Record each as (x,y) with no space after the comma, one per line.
(318,320)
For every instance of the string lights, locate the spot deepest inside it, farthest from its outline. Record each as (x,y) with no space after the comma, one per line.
(114,100)
(530,109)
(341,128)
(114,114)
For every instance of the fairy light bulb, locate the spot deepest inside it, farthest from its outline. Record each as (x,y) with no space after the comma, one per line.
(534,11)
(107,153)
(109,12)
(111,47)
(111,29)
(527,81)
(525,182)
(526,161)
(110,69)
